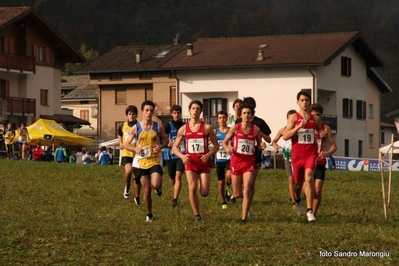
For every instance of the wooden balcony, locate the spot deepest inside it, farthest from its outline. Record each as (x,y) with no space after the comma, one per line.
(19,106)
(17,62)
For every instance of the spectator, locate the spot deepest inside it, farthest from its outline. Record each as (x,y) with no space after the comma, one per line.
(60,154)
(111,155)
(104,156)
(72,158)
(97,155)
(37,153)
(267,160)
(79,155)
(48,154)
(86,159)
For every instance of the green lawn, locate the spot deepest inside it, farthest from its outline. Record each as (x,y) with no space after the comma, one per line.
(58,214)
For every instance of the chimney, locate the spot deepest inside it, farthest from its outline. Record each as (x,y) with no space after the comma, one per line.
(176,40)
(190,51)
(138,56)
(260,57)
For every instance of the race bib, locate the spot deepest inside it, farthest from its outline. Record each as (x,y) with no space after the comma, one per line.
(196,145)
(305,136)
(145,152)
(245,146)
(222,154)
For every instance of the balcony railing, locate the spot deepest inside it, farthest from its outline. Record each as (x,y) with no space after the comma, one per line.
(331,121)
(18,106)
(17,62)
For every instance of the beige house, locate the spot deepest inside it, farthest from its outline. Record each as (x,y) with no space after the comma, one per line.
(82,98)
(31,57)
(128,75)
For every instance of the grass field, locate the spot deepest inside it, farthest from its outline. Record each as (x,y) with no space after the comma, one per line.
(63,214)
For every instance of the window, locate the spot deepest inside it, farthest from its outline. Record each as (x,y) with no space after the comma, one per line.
(44,97)
(371,140)
(145,75)
(2,45)
(213,105)
(360,149)
(4,88)
(120,96)
(148,94)
(116,76)
(84,115)
(382,137)
(173,96)
(371,111)
(346,66)
(347,108)
(346,148)
(41,56)
(361,110)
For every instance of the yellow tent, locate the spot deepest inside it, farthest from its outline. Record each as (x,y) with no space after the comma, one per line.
(48,132)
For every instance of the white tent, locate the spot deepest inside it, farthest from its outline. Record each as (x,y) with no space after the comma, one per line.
(387,151)
(395,148)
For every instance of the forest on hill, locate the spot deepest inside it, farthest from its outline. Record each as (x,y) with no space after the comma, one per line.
(104,24)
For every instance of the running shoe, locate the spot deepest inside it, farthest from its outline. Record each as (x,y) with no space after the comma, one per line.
(243,221)
(298,208)
(126,193)
(158,192)
(137,201)
(224,206)
(174,203)
(311,217)
(149,219)
(198,218)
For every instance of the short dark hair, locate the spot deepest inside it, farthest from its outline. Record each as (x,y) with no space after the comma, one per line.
(176,108)
(196,102)
(250,100)
(317,108)
(151,103)
(290,112)
(237,101)
(131,108)
(221,112)
(304,93)
(103,148)
(246,105)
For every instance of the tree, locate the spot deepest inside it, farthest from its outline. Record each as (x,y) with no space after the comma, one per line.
(90,55)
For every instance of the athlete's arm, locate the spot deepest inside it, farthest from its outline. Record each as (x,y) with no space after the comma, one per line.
(291,129)
(330,139)
(214,141)
(130,139)
(228,137)
(258,134)
(276,139)
(176,144)
(165,139)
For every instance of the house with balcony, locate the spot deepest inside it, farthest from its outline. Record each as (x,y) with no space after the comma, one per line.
(31,57)
(129,75)
(337,69)
(82,98)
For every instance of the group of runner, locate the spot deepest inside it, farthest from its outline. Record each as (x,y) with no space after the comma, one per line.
(235,146)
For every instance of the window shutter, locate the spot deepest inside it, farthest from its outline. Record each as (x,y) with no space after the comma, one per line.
(205,111)
(343,66)
(349,66)
(345,105)
(224,104)
(364,110)
(47,55)
(6,88)
(34,52)
(350,108)
(359,111)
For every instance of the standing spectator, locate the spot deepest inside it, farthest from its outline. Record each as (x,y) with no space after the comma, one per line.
(9,135)
(37,153)
(48,154)
(23,137)
(104,157)
(111,155)
(79,155)
(267,160)
(86,159)
(72,157)
(60,154)
(97,154)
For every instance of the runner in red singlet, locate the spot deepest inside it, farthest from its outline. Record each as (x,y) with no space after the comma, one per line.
(244,137)
(198,158)
(301,130)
